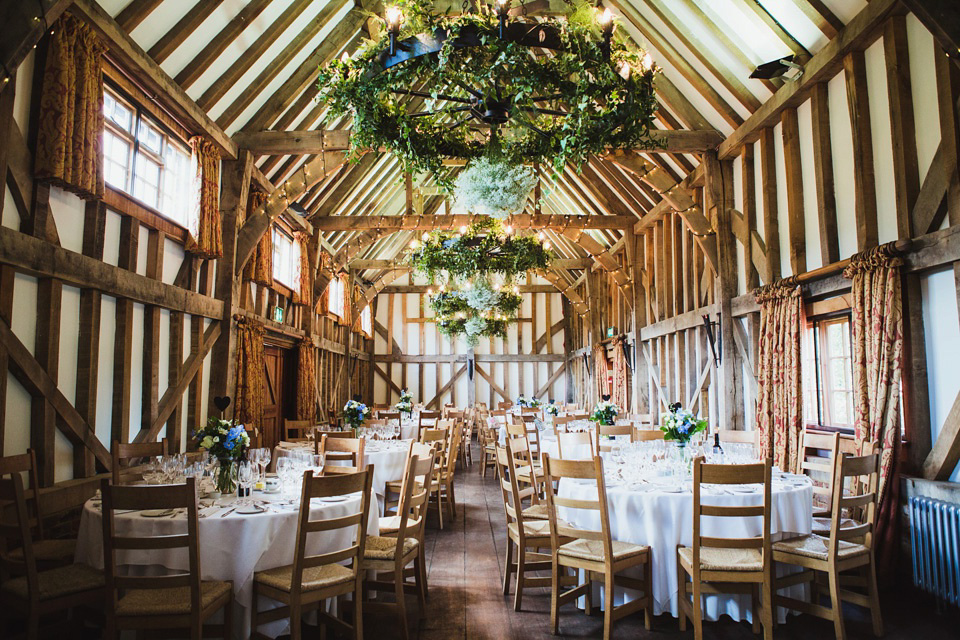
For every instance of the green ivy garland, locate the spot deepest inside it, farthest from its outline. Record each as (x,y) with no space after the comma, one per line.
(609,99)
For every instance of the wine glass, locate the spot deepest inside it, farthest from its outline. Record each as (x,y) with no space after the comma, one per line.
(245,476)
(285,471)
(264,461)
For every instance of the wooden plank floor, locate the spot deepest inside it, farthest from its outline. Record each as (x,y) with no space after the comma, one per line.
(465,572)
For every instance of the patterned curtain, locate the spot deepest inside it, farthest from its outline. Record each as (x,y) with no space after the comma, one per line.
(69,139)
(877,354)
(260,266)
(306,382)
(779,381)
(251,387)
(621,394)
(303,289)
(205,238)
(600,383)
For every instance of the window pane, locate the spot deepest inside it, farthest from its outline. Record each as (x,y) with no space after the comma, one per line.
(839,407)
(150,138)
(285,253)
(146,181)
(116,156)
(117,112)
(835,333)
(838,373)
(177,184)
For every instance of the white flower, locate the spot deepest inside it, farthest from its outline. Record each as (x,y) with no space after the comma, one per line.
(475,326)
(493,187)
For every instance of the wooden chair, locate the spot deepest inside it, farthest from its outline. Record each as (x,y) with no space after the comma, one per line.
(575,446)
(178,601)
(439,441)
(334,449)
(815,458)
(442,484)
(27,590)
(647,435)
(311,579)
(533,437)
(594,552)
(427,419)
(613,431)
(48,552)
(294,430)
(391,417)
(844,549)
(560,424)
(522,533)
(487,438)
(500,417)
(505,405)
(127,455)
(466,440)
(533,411)
(396,550)
(736,436)
(725,564)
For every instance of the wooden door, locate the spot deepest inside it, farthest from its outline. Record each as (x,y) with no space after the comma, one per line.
(273,396)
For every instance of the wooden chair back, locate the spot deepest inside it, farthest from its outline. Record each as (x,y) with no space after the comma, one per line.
(560,423)
(531,411)
(130,454)
(389,415)
(510,492)
(730,474)
(127,498)
(816,458)
(737,436)
(613,431)
(376,422)
(503,406)
(17,533)
(445,423)
(294,430)
(554,470)
(429,418)
(500,416)
(325,487)
(414,493)
(450,455)
(855,492)
(533,438)
(437,438)
(341,449)
(575,446)
(24,464)
(647,435)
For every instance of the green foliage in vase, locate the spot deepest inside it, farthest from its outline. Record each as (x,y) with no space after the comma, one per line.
(608,100)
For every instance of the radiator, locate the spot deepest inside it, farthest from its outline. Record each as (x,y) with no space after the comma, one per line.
(935,537)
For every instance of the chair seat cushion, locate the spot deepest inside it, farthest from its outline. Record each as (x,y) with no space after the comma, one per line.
(814,546)
(536,511)
(384,548)
(58,582)
(48,551)
(391,524)
(593,550)
(531,528)
(719,559)
(314,578)
(173,601)
(821,526)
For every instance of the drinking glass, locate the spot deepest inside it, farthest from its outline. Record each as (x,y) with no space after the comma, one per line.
(264,461)
(286,471)
(245,479)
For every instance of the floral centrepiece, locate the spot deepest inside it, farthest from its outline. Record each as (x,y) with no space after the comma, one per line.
(532,402)
(355,413)
(406,403)
(680,425)
(227,443)
(605,412)
(552,409)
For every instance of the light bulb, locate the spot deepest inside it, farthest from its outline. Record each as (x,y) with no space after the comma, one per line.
(540,236)
(425,236)
(345,58)
(394,17)
(508,229)
(546,245)
(429,292)
(414,244)
(463,228)
(605,19)
(647,62)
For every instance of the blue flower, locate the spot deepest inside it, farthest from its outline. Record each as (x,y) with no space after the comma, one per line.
(449,243)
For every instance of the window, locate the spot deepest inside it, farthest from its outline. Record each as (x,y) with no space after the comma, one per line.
(286,259)
(143,160)
(366,321)
(335,293)
(828,372)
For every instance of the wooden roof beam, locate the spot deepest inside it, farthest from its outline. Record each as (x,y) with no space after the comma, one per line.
(189,23)
(861,31)
(455,221)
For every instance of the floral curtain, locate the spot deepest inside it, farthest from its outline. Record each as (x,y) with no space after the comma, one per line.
(70,134)
(621,394)
(601,384)
(303,288)
(205,238)
(306,381)
(779,381)
(260,266)
(251,387)
(877,354)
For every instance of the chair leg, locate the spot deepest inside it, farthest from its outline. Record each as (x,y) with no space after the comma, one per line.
(401,604)
(358,611)
(755,605)
(421,578)
(508,567)
(681,594)
(697,612)
(33,625)
(607,605)
(228,620)
(874,599)
(296,623)
(768,609)
(521,561)
(833,578)
(452,499)
(555,597)
(648,591)
(254,605)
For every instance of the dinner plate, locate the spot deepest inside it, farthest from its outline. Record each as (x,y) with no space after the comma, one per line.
(669,488)
(251,509)
(333,499)
(157,513)
(740,488)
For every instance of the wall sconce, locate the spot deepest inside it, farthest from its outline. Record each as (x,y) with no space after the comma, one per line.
(714,338)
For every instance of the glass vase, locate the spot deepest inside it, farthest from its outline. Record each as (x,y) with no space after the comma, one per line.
(226,480)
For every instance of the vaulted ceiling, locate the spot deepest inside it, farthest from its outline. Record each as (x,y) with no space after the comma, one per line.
(251,65)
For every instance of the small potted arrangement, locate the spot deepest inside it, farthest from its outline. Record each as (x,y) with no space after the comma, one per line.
(605,412)
(355,414)
(406,404)
(552,409)
(228,443)
(680,425)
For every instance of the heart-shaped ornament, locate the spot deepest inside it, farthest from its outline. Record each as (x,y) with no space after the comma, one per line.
(221,402)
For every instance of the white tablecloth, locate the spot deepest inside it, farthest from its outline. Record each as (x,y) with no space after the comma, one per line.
(646,514)
(388,457)
(231,547)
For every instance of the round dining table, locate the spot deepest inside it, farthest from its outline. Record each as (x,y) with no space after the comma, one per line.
(658,511)
(232,545)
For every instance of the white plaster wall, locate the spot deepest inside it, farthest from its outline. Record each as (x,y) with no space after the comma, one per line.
(811,217)
(841,138)
(923,86)
(882,142)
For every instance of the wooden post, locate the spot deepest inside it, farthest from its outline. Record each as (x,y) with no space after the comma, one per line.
(123,336)
(233,199)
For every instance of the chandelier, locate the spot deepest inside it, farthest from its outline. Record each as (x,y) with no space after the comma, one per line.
(488,82)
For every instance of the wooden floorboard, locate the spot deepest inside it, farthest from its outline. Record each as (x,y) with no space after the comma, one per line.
(466,564)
